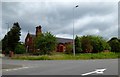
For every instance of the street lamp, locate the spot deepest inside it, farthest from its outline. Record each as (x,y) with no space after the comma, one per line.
(73,31)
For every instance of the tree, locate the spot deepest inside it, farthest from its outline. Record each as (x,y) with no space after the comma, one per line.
(20,49)
(94,44)
(115,44)
(69,49)
(86,44)
(4,43)
(99,44)
(12,38)
(78,48)
(46,43)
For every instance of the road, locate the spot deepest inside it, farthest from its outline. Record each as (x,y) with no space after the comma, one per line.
(59,67)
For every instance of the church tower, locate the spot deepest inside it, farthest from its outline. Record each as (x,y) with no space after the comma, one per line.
(38,30)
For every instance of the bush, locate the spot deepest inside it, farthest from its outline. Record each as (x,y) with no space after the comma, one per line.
(86,44)
(94,44)
(46,43)
(99,44)
(115,44)
(20,49)
(69,49)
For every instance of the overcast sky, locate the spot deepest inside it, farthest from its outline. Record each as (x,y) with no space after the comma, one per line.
(90,18)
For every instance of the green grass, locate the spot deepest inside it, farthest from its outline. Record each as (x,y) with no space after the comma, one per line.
(61,56)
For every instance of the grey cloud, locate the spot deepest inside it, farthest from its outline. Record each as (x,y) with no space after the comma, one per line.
(57,17)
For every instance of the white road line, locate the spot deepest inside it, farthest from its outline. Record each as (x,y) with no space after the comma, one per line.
(97,71)
(16,69)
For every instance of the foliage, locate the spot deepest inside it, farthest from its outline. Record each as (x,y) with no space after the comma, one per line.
(78,48)
(86,44)
(68,49)
(4,43)
(99,44)
(115,44)
(93,44)
(12,38)
(46,43)
(20,49)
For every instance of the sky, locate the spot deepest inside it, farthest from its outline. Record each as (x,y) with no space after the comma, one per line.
(58,17)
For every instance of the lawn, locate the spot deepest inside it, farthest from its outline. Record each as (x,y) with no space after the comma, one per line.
(62,56)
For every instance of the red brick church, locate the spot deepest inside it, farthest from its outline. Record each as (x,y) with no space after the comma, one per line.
(30,46)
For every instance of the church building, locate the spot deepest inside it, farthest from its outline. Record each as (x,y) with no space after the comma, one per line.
(30,46)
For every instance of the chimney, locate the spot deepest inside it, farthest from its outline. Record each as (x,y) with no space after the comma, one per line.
(38,30)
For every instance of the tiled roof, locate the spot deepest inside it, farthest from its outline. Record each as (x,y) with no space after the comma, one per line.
(63,40)
(32,35)
(59,40)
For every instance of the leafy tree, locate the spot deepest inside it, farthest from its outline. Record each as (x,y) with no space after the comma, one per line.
(5,47)
(69,49)
(12,38)
(94,44)
(46,43)
(86,44)
(99,44)
(78,48)
(20,48)
(4,43)
(115,44)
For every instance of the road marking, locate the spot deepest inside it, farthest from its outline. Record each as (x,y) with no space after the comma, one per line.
(97,71)
(16,69)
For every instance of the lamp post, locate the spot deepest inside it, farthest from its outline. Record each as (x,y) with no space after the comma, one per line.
(73,31)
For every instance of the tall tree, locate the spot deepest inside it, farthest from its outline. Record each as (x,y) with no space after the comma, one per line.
(78,47)
(86,44)
(98,43)
(12,38)
(4,43)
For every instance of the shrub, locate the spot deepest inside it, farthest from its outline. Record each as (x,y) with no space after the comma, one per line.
(46,43)
(86,44)
(94,44)
(115,44)
(20,49)
(69,48)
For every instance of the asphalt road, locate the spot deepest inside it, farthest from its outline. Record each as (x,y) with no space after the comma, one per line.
(59,67)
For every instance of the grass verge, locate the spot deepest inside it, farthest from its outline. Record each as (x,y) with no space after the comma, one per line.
(61,56)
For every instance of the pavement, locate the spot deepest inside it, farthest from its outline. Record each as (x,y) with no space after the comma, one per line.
(60,67)
(10,66)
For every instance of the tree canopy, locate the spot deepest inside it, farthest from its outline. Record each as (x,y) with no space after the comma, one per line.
(92,44)
(78,45)
(46,43)
(115,44)
(12,38)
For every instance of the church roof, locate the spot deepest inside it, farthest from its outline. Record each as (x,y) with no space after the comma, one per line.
(63,40)
(32,35)
(59,40)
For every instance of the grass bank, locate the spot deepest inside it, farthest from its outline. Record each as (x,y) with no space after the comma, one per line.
(61,56)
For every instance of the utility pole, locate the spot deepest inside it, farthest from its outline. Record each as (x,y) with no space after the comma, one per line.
(73,31)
